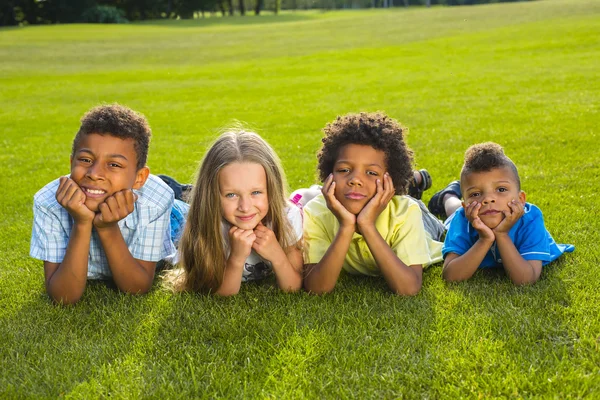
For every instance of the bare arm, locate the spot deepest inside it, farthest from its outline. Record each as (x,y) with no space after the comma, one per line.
(130,274)
(321,277)
(519,270)
(402,279)
(460,268)
(241,245)
(65,281)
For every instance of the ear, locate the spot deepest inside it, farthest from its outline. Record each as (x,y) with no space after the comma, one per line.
(522,197)
(463,204)
(140,177)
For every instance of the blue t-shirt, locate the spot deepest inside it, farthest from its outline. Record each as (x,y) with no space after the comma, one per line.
(530,236)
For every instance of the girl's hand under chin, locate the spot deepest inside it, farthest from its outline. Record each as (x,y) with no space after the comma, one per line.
(241,242)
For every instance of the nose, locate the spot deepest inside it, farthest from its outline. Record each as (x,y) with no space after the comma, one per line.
(95,171)
(355,180)
(244,204)
(488,199)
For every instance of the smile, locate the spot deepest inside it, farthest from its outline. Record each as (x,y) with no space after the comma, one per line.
(94,192)
(246,218)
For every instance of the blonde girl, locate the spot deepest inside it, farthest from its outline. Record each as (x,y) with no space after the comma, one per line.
(240,225)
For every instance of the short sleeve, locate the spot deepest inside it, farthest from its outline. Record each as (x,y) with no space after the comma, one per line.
(317,238)
(49,238)
(533,242)
(457,238)
(409,241)
(152,237)
(294,215)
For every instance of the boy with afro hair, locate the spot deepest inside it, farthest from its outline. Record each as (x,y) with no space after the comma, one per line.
(363,222)
(493,225)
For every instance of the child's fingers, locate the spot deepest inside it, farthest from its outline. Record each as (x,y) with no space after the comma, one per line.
(71,193)
(388,187)
(327,185)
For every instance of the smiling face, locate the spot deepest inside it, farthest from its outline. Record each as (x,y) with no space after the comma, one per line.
(102,165)
(494,189)
(243,194)
(355,174)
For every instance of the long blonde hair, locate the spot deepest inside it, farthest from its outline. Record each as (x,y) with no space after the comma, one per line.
(203,246)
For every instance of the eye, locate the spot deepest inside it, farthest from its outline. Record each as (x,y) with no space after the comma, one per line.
(502,189)
(373,173)
(343,170)
(256,192)
(85,160)
(230,195)
(474,194)
(114,165)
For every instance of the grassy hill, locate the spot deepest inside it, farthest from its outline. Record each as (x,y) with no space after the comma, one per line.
(522,74)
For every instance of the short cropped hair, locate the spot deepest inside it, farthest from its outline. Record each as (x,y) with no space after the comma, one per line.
(371,129)
(484,157)
(118,121)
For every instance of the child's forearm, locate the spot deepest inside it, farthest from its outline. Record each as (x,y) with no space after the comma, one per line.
(401,278)
(130,275)
(321,277)
(520,271)
(65,282)
(232,277)
(288,269)
(460,268)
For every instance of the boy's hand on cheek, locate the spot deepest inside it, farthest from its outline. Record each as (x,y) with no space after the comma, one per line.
(510,217)
(345,217)
(115,208)
(472,213)
(241,242)
(385,192)
(71,197)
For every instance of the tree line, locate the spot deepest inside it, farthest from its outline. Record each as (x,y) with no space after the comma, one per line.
(28,12)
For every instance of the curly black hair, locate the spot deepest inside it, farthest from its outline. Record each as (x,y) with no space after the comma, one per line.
(118,121)
(372,129)
(484,157)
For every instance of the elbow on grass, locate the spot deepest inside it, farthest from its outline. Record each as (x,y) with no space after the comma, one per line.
(410,291)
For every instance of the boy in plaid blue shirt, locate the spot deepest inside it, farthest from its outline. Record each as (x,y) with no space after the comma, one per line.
(108,219)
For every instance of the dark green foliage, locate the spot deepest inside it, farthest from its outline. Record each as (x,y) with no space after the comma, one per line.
(104,15)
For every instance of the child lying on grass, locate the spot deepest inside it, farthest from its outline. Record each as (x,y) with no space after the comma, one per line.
(108,219)
(363,222)
(494,226)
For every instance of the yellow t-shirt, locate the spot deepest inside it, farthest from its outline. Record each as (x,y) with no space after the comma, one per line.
(400,224)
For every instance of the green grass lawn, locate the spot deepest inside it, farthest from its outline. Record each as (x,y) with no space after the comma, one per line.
(525,75)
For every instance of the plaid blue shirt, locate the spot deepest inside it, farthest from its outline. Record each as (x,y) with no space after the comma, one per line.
(147,230)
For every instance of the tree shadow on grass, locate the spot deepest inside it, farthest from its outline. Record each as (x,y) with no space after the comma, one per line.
(94,348)
(359,339)
(502,338)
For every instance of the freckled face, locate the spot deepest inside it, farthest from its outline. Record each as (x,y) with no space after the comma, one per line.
(355,174)
(103,165)
(494,190)
(243,194)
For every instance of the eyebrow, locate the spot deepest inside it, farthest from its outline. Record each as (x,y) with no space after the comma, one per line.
(116,155)
(496,182)
(350,162)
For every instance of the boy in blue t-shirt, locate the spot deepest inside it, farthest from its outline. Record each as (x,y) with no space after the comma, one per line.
(494,226)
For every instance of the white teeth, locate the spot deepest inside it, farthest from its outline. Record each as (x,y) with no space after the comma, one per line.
(92,191)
